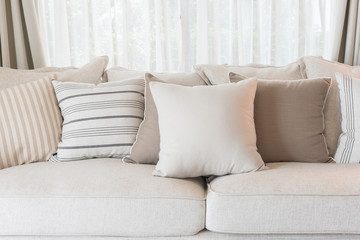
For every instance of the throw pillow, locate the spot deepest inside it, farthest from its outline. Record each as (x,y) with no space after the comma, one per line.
(289,119)
(219,74)
(348,150)
(89,73)
(30,123)
(206,130)
(317,67)
(99,120)
(147,145)
(185,78)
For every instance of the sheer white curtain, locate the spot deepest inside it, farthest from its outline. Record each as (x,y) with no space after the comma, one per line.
(172,35)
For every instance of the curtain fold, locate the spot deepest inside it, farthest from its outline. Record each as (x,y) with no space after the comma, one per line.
(350,46)
(21,42)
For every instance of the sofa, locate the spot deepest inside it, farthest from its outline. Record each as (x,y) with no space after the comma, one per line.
(109,198)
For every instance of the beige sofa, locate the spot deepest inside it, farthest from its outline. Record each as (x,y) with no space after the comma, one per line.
(109,199)
(105,197)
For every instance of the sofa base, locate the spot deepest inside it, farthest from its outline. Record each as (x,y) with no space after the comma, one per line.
(203,235)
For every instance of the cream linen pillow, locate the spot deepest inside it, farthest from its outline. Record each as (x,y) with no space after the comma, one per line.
(317,67)
(147,145)
(348,150)
(289,119)
(206,130)
(30,123)
(219,74)
(185,78)
(89,73)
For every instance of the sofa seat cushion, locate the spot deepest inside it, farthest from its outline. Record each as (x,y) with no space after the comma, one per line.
(98,197)
(287,198)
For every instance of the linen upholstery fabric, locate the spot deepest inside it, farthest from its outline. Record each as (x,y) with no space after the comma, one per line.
(98,197)
(201,134)
(288,198)
(219,74)
(349,91)
(99,121)
(317,67)
(89,73)
(30,123)
(289,119)
(147,145)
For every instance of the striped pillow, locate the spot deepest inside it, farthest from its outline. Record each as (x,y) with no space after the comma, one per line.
(30,123)
(99,120)
(348,150)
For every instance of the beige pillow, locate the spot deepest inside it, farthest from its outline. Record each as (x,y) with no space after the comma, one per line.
(147,145)
(206,130)
(89,73)
(219,74)
(30,123)
(185,78)
(317,67)
(289,119)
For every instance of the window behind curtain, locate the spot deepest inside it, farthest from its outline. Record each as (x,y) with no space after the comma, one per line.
(172,35)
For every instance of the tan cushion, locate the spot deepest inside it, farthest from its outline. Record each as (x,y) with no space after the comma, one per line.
(30,123)
(317,67)
(89,73)
(289,119)
(287,198)
(219,74)
(201,134)
(147,145)
(103,197)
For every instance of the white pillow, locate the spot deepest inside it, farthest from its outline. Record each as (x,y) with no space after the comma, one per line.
(206,130)
(348,150)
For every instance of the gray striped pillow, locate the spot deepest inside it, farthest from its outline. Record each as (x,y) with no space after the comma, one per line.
(30,123)
(348,150)
(99,120)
